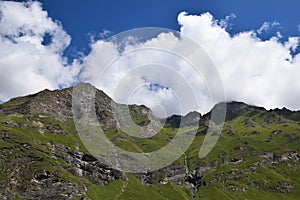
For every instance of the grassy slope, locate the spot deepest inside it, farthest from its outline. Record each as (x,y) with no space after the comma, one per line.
(134,189)
(239,186)
(40,144)
(235,134)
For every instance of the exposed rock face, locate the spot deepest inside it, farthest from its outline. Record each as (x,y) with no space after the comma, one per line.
(39,183)
(30,182)
(191,119)
(56,103)
(47,185)
(85,165)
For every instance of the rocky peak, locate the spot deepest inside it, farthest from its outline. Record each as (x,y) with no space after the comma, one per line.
(235,109)
(56,103)
(175,121)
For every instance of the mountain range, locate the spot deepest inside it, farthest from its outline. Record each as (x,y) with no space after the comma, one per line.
(42,156)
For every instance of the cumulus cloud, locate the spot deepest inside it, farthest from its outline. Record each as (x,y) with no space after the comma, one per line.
(254,71)
(27,63)
(150,73)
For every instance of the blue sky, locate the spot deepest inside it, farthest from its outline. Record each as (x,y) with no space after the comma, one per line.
(254,46)
(81,18)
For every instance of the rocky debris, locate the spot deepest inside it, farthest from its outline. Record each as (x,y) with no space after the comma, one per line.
(233,161)
(15,124)
(195,182)
(243,147)
(39,183)
(48,185)
(178,175)
(267,155)
(238,175)
(85,165)
(270,158)
(27,182)
(10,123)
(287,157)
(232,175)
(278,187)
(273,117)
(229,129)
(250,123)
(255,133)
(274,133)
(174,174)
(195,179)
(283,187)
(39,126)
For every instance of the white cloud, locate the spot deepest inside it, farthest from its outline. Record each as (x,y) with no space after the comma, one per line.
(257,72)
(292,43)
(27,65)
(129,77)
(267,26)
(105,33)
(254,71)
(225,23)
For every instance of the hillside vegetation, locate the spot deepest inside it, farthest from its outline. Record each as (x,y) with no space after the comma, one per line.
(42,156)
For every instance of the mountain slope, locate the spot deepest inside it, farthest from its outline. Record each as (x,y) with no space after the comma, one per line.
(42,157)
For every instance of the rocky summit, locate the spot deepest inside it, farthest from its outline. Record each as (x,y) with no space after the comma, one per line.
(42,156)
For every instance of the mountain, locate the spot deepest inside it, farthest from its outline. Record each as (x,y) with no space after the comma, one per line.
(42,156)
